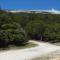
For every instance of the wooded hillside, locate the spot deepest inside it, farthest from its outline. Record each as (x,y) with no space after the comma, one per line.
(18,28)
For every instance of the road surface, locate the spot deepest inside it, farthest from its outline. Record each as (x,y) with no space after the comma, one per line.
(29,53)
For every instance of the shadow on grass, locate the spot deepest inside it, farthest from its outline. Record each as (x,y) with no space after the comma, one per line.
(13,47)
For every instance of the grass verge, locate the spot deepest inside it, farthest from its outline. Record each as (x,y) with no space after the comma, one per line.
(12,47)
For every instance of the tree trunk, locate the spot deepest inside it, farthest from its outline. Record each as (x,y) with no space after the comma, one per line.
(41,38)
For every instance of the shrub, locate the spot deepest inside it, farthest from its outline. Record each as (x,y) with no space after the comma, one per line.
(4,41)
(12,34)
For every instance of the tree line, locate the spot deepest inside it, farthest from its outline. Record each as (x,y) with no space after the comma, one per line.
(18,28)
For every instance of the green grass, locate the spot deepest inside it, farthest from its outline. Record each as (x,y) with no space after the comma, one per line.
(12,47)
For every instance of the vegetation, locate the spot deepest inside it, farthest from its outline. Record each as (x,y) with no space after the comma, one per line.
(14,47)
(18,28)
(11,32)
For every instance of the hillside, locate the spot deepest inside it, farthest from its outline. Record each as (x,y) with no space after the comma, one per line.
(42,26)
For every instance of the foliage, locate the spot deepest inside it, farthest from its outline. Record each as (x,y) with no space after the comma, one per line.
(11,32)
(14,27)
(14,32)
(35,29)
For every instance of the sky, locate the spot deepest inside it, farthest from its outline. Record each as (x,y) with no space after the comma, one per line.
(30,4)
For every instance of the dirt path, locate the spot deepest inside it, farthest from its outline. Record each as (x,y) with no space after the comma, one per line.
(29,53)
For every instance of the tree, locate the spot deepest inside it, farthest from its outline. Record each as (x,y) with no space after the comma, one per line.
(36,29)
(13,33)
(52,32)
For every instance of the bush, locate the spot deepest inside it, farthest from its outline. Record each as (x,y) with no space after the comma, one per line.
(35,29)
(12,34)
(4,41)
(19,38)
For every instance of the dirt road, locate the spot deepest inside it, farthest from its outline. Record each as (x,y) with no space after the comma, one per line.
(29,53)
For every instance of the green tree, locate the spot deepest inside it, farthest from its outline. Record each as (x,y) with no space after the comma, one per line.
(36,29)
(14,32)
